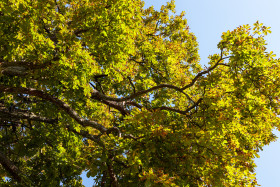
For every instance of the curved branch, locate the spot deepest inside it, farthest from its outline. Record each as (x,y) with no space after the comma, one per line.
(62,105)
(96,93)
(204,72)
(180,111)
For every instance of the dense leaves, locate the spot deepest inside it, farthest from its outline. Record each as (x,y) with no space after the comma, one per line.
(116,90)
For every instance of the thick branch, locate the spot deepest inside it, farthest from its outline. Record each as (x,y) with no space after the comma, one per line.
(112,175)
(10,167)
(103,180)
(21,68)
(14,71)
(117,105)
(62,105)
(17,114)
(132,103)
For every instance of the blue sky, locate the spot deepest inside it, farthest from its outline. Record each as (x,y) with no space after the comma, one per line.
(207,20)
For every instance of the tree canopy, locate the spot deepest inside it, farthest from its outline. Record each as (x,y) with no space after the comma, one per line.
(117,90)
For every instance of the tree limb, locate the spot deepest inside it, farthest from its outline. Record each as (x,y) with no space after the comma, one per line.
(180,111)
(80,31)
(96,93)
(113,177)
(18,114)
(86,134)
(120,106)
(10,167)
(21,68)
(62,105)
(204,72)
(132,96)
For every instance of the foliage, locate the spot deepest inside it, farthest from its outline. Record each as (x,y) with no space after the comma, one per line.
(111,88)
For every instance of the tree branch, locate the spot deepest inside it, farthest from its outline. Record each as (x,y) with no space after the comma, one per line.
(204,72)
(80,31)
(130,81)
(180,111)
(117,105)
(132,103)
(86,134)
(21,68)
(10,167)
(96,93)
(113,177)
(18,114)
(62,105)
(103,180)
(52,36)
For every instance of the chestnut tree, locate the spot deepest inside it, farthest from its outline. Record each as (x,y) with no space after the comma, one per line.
(117,90)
